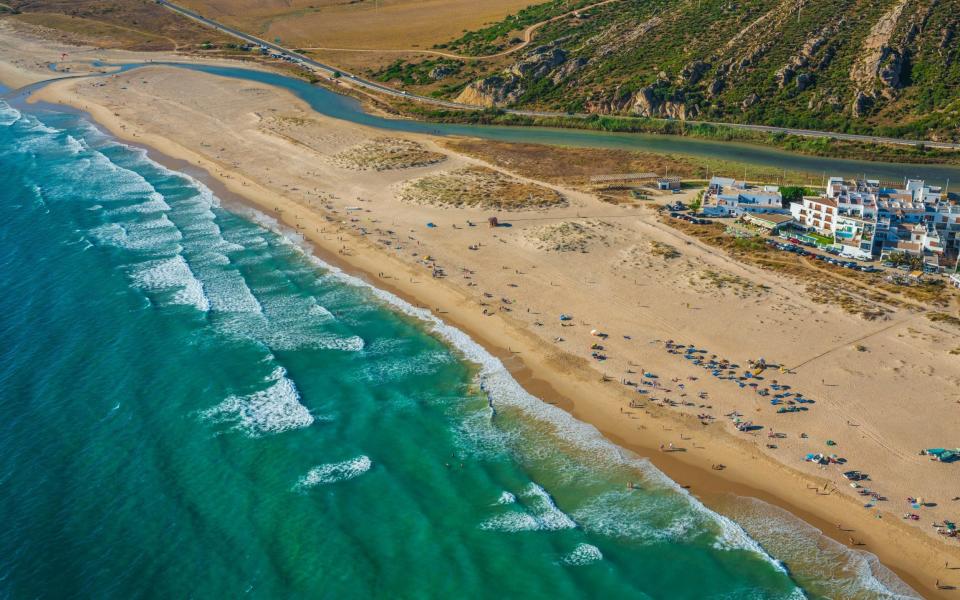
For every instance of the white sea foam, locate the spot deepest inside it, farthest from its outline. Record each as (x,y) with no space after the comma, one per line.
(648,518)
(511,522)
(227,291)
(334,472)
(540,514)
(289,322)
(35,126)
(477,436)
(503,389)
(583,554)
(285,336)
(841,571)
(74,145)
(153,235)
(274,409)
(8,114)
(154,204)
(171,275)
(506,498)
(393,368)
(385,346)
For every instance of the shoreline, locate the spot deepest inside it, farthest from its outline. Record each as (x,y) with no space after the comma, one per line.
(704,484)
(513,346)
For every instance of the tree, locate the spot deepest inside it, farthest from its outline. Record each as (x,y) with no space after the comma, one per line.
(792,193)
(697,202)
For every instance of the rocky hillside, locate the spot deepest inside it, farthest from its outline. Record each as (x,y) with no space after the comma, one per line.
(890,67)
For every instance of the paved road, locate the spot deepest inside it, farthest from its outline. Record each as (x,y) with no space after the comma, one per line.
(377,87)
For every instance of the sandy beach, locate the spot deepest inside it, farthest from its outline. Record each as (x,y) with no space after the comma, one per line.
(882,389)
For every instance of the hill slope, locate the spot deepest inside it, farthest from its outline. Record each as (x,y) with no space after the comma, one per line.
(890,67)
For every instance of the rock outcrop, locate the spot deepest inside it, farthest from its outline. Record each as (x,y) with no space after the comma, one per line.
(806,57)
(506,87)
(648,101)
(694,72)
(442,72)
(877,57)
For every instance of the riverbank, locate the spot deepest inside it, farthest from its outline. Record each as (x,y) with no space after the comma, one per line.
(235,144)
(821,146)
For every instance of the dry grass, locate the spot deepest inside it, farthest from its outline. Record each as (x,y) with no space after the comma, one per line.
(827,293)
(566,236)
(380,24)
(933,292)
(569,166)
(663,250)
(126,24)
(739,286)
(385,154)
(479,187)
(939,317)
(831,286)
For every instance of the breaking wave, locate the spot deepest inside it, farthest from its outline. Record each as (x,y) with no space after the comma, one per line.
(271,410)
(583,554)
(334,472)
(539,513)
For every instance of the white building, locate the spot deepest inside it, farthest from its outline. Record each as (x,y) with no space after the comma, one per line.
(726,197)
(868,218)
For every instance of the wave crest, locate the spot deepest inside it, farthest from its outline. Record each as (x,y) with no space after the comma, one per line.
(335,472)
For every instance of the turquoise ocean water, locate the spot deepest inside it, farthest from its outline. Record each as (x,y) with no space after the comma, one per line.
(192,406)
